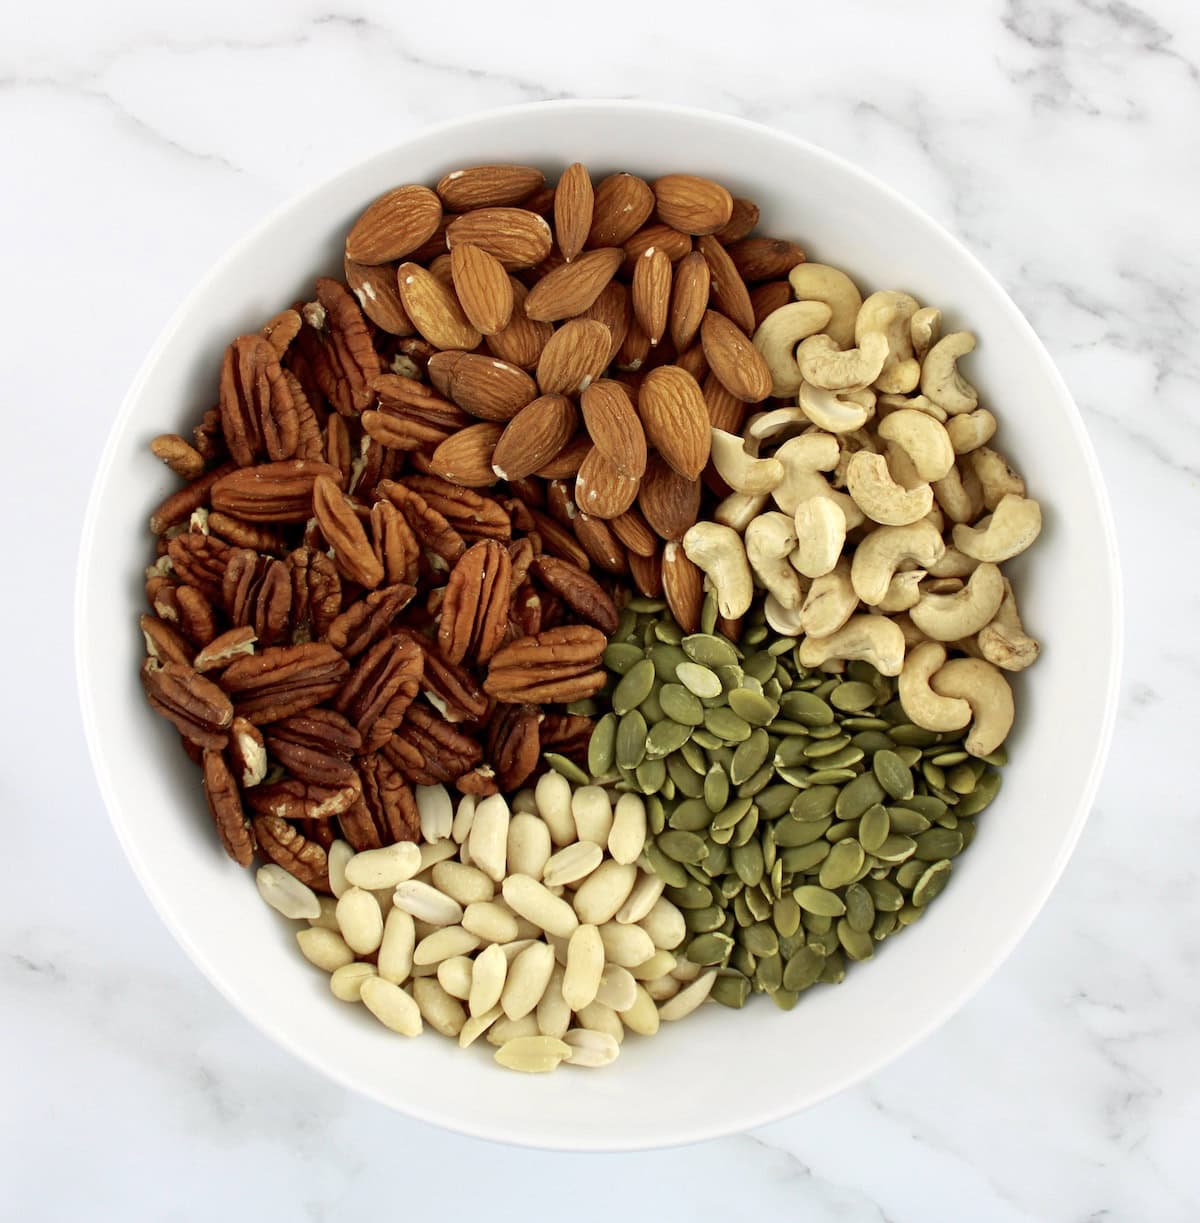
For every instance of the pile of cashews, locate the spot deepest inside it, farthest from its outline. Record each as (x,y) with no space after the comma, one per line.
(873,514)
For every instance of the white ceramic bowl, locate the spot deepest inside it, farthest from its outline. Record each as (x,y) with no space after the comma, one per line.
(759,1064)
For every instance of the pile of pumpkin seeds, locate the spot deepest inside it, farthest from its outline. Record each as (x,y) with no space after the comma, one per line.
(798,817)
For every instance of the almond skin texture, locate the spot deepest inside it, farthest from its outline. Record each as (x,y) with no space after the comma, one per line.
(661,237)
(533,437)
(568,461)
(691,204)
(634,532)
(758,259)
(614,427)
(488,186)
(601,488)
(652,292)
(729,292)
(375,287)
(671,406)
(480,385)
(518,238)
(646,572)
(737,364)
(689,299)
(669,503)
(767,298)
(683,587)
(466,457)
(394,225)
(573,201)
(483,288)
(570,289)
(522,340)
(741,223)
(433,308)
(575,355)
(622,205)
(725,411)
(613,309)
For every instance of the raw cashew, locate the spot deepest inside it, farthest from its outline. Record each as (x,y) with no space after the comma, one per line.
(777,337)
(924,440)
(874,639)
(819,536)
(947,617)
(719,552)
(912,635)
(944,586)
(971,430)
(882,552)
(830,602)
(959,495)
(739,510)
(784,620)
(880,497)
(1014,524)
(987,692)
(903,592)
(837,411)
(901,466)
(922,705)
(886,404)
(954,564)
(803,459)
(770,538)
(940,379)
(889,312)
(739,468)
(822,364)
(995,477)
(925,328)
(820,283)
(1005,642)
(770,426)
(851,444)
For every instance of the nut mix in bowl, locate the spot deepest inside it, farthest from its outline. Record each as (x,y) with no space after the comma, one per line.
(589,608)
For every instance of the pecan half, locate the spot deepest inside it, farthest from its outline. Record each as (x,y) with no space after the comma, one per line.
(451,690)
(395,546)
(411,415)
(196,620)
(163,643)
(279,842)
(567,733)
(428,749)
(241,534)
(281,329)
(223,649)
(283,680)
(365,622)
(182,503)
(348,361)
(225,803)
(387,811)
(195,706)
(559,664)
(312,764)
(270,492)
(525,613)
(471,514)
(475,609)
(379,691)
(433,531)
(247,753)
(580,591)
(294,799)
(325,730)
(514,745)
(257,591)
(200,561)
(316,593)
(310,444)
(343,531)
(258,417)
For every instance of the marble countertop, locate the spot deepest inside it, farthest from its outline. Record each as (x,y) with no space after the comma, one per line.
(1057,138)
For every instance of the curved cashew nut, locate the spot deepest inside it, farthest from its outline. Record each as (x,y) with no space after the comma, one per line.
(830,602)
(803,459)
(739,510)
(770,538)
(987,692)
(940,379)
(903,592)
(925,329)
(1005,642)
(821,283)
(1014,524)
(954,564)
(901,467)
(824,365)
(971,430)
(959,495)
(889,312)
(837,411)
(947,617)
(739,468)
(779,333)
(912,635)
(769,426)
(820,535)
(784,620)
(919,701)
(996,478)
(886,404)
(883,551)
(880,497)
(719,552)
(874,639)
(924,440)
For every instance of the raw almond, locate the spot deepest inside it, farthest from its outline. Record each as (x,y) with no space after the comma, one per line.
(466,456)
(741,222)
(614,427)
(573,200)
(515,236)
(522,340)
(689,298)
(613,309)
(725,411)
(598,541)
(541,202)
(652,292)
(394,225)
(483,288)
(694,361)
(568,460)
(634,532)
(670,503)
(533,437)
(442,268)
(575,354)
(646,572)
(635,348)
(434,309)
(488,186)
(759,259)
(622,205)
(735,361)
(683,587)
(570,289)
(482,385)
(692,204)
(767,298)
(378,294)
(601,488)
(729,292)
(673,413)
(660,236)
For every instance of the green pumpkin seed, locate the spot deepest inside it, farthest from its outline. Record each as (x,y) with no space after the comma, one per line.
(741,911)
(857,944)
(761,940)
(789,752)
(701,921)
(797,778)
(933,775)
(931,883)
(860,908)
(752,706)
(885,923)
(656,817)
(693,753)
(710,650)
(873,827)
(904,820)
(587,708)
(839,830)
(680,846)
(925,804)
(803,969)
(896,848)
(634,687)
(909,735)
(691,815)
(893,774)
(908,873)
(817,923)
(602,745)
(774,800)
(681,705)
(852,697)
(945,759)
(671,872)
(871,740)
(687,782)
(759,904)
(745,828)
(939,843)
(716,789)
(842,866)
(768,975)
(834,972)
(785,913)
(726,725)
(825,942)
(730,989)
(666,658)
(651,774)
(711,948)
(706,739)
(709,613)
(620,657)
(804,857)
(830,777)
(820,748)
(867,725)
(749,756)
(885,895)
(631,740)
(668,633)
(814,804)
(747,862)
(961,779)
(666,737)
(760,666)
(784,999)
(756,782)
(968,831)
(909,914)
(717,862)
(819,900)
(791,832)
(568,768)
(806,708)
(644,605)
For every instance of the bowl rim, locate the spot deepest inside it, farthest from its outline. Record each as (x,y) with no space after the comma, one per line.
(696,1130)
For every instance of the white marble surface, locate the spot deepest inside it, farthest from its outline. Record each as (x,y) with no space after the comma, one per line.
(139,139)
